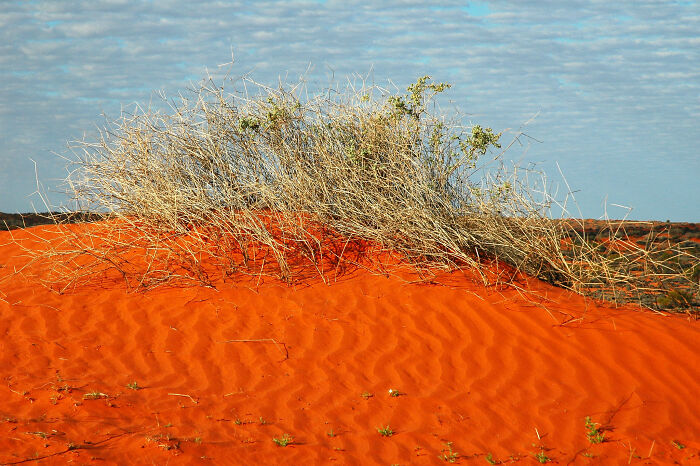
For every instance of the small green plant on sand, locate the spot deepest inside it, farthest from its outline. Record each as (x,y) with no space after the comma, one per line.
(284,440)
(541,456)
(677,444)
(94,396)
(593,432)
(385,431)
(489,459)
(366,395)
(448,454)
(393,392)
(133,386)
(330,433)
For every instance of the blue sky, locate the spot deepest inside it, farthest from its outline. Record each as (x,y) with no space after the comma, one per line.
(615,85)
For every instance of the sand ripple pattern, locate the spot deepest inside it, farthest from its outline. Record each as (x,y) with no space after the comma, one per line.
(220,373)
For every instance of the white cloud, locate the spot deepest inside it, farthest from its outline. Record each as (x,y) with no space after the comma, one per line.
(616,83)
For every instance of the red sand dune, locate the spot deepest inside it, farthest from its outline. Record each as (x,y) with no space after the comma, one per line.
(492,371)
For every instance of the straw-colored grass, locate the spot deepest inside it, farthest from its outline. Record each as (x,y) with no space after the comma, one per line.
(282,183)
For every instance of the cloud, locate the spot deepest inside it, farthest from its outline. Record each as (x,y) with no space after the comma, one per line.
(615,84)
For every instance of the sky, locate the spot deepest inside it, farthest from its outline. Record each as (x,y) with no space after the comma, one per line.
(614,86)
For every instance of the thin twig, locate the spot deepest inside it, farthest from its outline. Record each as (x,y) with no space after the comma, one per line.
(186,396)
(285,352)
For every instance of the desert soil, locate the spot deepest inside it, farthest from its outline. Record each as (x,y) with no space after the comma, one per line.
(212,376)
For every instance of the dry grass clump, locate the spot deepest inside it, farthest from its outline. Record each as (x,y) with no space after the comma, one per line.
(282,183)
(649,263)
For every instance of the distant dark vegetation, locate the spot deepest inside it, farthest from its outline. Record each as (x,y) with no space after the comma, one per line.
(14,221)
(677,231)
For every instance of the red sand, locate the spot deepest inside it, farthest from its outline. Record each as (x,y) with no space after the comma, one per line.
(490,371)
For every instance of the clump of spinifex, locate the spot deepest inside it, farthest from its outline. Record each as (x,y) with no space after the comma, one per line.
(228,183)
